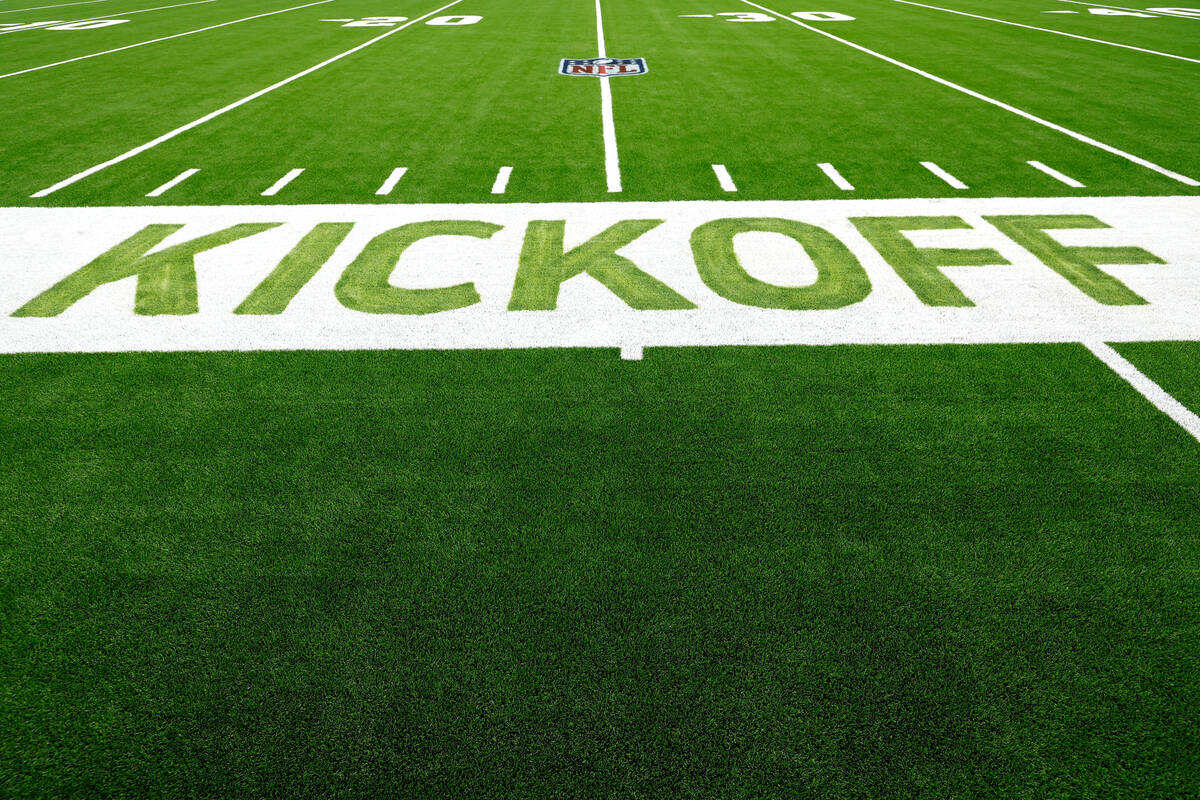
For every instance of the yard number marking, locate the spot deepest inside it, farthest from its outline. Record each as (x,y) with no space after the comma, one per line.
(391,22)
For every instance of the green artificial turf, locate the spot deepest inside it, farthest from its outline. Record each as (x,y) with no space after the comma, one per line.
(776,572)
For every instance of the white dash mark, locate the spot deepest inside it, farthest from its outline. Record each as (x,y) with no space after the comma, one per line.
(282,182)
(501,180)
(391,181)
(723,178)
(631,353)
(1147,388)
(171,184)
(1058,176)
(836,177)
(946,176)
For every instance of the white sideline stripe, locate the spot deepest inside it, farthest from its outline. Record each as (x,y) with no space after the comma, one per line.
(391,181)
(631,353)
(501,180)
(1147,388)
(292,174)
(998,103)
(1051,30)
(612,160)
(171,184)
(1058,176)
(946,176)
(235,104)
(60,5)
(836,177)
(723,178)
(1140,10)
(37,25)
(160,39)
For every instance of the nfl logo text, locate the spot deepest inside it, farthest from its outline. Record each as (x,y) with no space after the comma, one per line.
(603,67)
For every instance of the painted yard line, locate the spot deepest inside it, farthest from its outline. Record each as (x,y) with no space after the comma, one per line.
(166,137)
(1139,10)
(946,176)
(160,39)
(836,177)
(1150,165)
(171,184)
(391,181)
(1050,30)
(38,25)
(60,5)
(501,182)
(723,178)
(612,159)
(1146,387)
(1058,176)
(291,175)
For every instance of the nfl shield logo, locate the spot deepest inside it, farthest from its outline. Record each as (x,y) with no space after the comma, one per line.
(603,67)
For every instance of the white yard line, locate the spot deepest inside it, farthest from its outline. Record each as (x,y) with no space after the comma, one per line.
(291,175)
(1051,30)
(1150,165)
(391,181)
(1146,387)
(60,5)
(612,160)
(831,172)
(39,25)
(501,182)
(1140,10)
(945,176)
(171,184)
(160,39)
(1058,176)
(723,178)
(128,154)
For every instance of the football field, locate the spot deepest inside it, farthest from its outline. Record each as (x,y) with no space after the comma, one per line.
(565,398)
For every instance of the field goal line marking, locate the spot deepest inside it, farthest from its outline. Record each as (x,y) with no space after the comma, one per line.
(612,159)
(128,154)
(1139,10)
(41,25)
(59,5)
(1051,30)
(1150,165)
(1146,387)
(160,39)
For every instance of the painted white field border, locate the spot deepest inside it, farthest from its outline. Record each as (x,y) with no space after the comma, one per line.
(1146,387)
(1026,300)
(1051,30)
(1138,10)
(612,159)
(40,25)
(169,135)
(60,5)
(160,39)
(1141,162)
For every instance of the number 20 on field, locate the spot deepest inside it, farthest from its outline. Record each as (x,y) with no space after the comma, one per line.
(389,22)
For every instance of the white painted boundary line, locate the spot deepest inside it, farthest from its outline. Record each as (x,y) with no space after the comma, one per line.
(1140,10)
(1051,30)
(1146,387)
(391,181)
(723,178)
(612,160)
(60,5)
(236,104)
(1150,165)
(160,39)
(291,175)
(501,182)
(1058,176)
(831,172)
(171,184)
(946,176)
(38,25)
